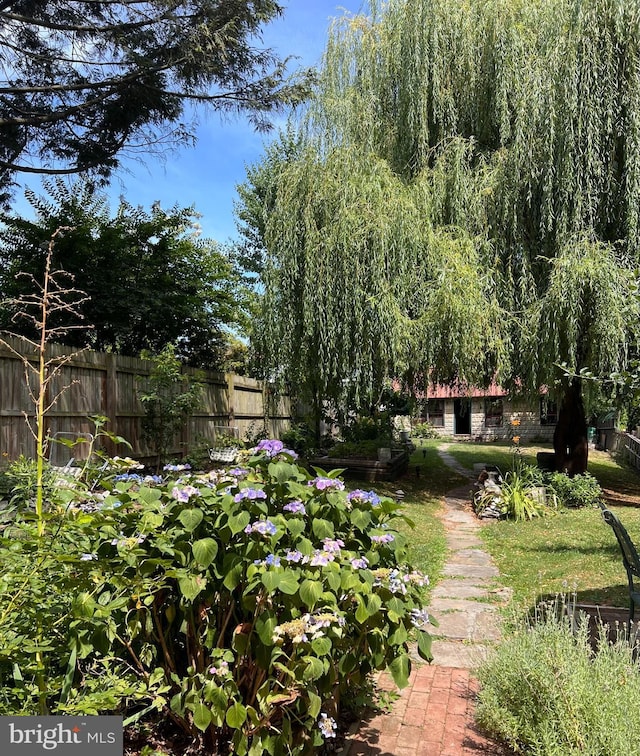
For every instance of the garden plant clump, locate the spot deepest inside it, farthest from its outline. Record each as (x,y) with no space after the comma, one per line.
(546,692)
(242,604)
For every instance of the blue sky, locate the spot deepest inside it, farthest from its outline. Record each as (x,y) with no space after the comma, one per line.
(206,175)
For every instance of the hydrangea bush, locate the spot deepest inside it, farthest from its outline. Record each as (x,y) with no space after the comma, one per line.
(245,601)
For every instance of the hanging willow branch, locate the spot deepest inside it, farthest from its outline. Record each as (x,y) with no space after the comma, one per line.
(466,197)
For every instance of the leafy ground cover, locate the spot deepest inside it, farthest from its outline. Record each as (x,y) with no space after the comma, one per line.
(573,551)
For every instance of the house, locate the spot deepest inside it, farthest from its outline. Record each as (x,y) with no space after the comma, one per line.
(488,414)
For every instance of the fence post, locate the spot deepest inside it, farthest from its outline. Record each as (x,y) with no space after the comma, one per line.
(231,395)
(111,398)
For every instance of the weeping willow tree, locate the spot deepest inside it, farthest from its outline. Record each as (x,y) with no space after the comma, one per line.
(464,204)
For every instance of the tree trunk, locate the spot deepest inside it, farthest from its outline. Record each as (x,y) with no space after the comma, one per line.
(570,442)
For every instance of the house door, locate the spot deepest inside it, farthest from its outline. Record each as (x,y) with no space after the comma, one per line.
(462,417)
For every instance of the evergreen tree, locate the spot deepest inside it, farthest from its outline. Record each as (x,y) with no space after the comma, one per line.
(84,80)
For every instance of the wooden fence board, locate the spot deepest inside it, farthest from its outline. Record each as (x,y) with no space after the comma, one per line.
(96,383)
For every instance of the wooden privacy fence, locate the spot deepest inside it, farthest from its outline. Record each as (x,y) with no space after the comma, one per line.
(109,384)
(627,446)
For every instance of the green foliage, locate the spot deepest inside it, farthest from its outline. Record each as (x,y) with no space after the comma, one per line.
(298,437)
(21,479)
(358,449)
(545,692)
(578,491)
(463,196)
(368,428)
(126,87)
(244,602)
(519,498)
(169,398)
(170,285)
(424,430)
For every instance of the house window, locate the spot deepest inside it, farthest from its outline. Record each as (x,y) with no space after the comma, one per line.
(493,413)
(435,412)
(548,411)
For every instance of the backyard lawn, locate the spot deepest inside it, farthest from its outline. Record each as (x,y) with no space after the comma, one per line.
(572,551)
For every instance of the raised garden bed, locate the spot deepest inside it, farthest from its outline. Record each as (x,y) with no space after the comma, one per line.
(366,469)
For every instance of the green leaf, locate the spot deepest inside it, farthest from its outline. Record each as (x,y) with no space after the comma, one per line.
(400,668)
(204,551)
(374,604)
(191,518)
(314,668)
(315,704)
(265,625)
(239,522)
(424,646)
(322,529)
(190,586)
(310,592)
(321,646)
(334,579)
(396,608)
(282,471)
(360,518)
(236,715)
(233,577)
(201,716)
(288,583)
(271,580)
(362,615)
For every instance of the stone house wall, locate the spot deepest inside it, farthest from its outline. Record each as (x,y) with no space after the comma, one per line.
(530,427)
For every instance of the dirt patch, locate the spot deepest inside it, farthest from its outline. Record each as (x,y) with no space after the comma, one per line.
(621,498)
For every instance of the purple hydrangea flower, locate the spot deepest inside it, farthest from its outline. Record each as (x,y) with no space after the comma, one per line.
(323,483)
(250,493)
(419,617)
(333,547)
(272,560)
(295,556)
(263,527)
(269,446)
(321,558)
(360,563)
(238,472)
(185,493)
(295,507)
(176,468)
(364,497)
(386,538)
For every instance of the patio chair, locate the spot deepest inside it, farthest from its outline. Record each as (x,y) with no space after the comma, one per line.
(630,559)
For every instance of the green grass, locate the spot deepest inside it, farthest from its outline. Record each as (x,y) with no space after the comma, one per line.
(573,551)
(426,482)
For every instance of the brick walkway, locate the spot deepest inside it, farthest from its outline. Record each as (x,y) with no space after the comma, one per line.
(432,717)
(434,714)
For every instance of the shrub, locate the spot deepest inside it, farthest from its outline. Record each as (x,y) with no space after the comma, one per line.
(424,430)
(244,603)
(358,449)
(298,437)
(369,428)
(545,692)
(517,499)
(579,491)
